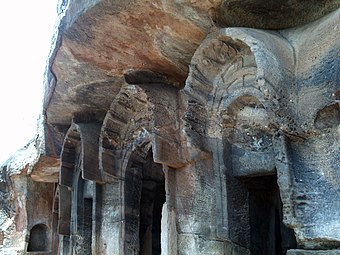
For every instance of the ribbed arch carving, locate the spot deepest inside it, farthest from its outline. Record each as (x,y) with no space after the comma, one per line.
(81,142)
(234,77)
(127,127)
(127,162)
(223,69)
(79,162)
(71,150)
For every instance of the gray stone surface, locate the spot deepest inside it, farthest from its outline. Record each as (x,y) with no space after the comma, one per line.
(273,14)
(240,68)
(313,252)
(169,143)
(195,244)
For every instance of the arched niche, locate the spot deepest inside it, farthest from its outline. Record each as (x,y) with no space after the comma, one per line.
(128,122)
(79,170)
(144,196)
(253,196)
(247,133)
(39,239)
(70,159)
(137,181)
(229,64)
(232,97)
(80,145)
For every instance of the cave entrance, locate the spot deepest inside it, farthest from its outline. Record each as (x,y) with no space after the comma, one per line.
(151,203)
(268,235)
(255,207)
(144,199)
(38,240)
(84,202)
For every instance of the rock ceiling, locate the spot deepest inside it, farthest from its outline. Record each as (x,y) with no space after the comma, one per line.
(100,42)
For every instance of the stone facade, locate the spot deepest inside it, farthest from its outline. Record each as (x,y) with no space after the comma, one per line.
(184,127)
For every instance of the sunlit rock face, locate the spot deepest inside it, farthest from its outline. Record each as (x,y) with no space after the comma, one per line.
(102,40)
(184,127)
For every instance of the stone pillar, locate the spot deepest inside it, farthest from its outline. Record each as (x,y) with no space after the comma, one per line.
(111,221)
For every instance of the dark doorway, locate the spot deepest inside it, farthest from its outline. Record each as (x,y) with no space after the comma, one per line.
(38,241)
(268,235)
(65,244)
(87,225)
(144,199)
(152,200)
(84,204)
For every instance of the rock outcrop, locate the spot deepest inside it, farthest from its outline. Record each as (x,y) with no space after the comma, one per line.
(184,127)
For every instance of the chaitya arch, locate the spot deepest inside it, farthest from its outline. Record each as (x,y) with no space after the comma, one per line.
(165,130)
(232,94)
(260,105)
(136,180)
(75,194)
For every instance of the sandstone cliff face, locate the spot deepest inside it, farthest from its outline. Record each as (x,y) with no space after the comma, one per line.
(100,41)
(184,127)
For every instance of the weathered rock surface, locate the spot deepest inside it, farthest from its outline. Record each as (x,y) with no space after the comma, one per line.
(267,94)
(273,14)
(100,41)
(169,132)
(313,252)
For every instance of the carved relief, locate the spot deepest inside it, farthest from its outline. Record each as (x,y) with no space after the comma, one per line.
(249,104)
(126,127)
(79,164)
(127,161)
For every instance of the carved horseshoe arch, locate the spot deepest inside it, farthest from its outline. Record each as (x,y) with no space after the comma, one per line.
(127,126)
(234,68)
(127,163)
